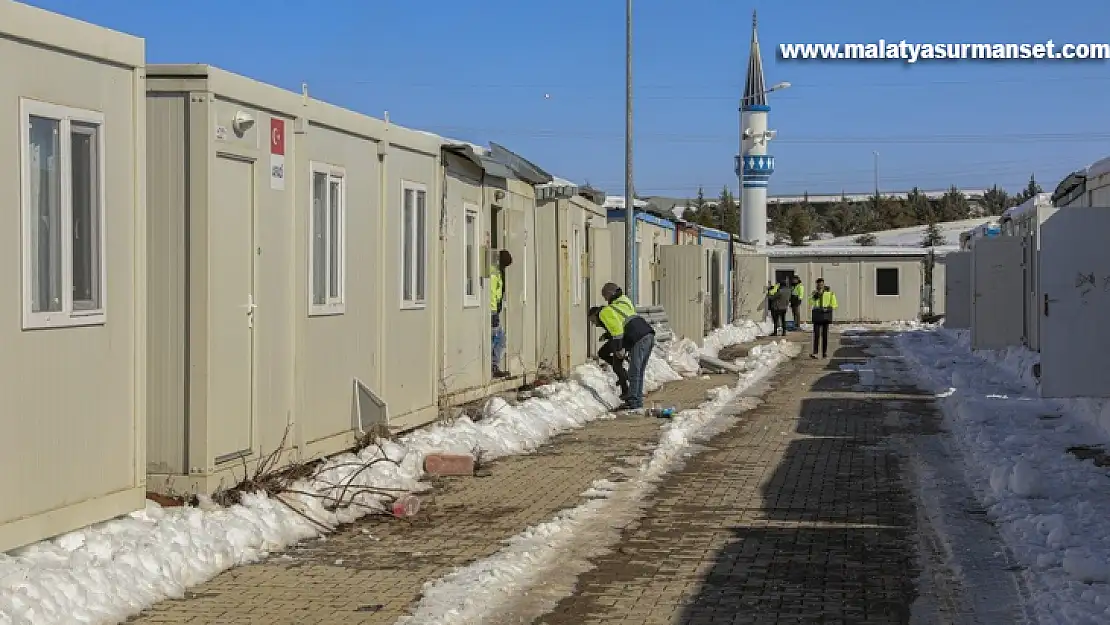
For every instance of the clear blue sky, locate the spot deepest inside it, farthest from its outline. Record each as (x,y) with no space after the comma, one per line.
(480,70)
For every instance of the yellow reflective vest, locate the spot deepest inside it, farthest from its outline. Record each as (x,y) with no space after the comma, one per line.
(496,289)
(826,299)
(616,315)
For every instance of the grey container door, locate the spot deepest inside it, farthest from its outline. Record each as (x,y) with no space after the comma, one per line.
(683,289)
(1075,282)
(997,299)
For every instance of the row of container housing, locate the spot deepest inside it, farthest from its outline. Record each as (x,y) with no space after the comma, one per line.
(1041,280)
(214,269)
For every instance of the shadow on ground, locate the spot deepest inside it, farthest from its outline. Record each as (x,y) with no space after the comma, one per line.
(835,540)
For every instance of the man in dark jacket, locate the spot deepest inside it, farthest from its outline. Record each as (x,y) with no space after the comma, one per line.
(778,300)
(630,334)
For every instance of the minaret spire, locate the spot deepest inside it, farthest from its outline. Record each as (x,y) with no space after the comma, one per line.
(755,88)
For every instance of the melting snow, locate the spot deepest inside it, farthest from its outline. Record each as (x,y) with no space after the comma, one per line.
(107,572)
(1052,509)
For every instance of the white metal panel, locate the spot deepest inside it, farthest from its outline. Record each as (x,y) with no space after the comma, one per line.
(957,290)
(1075,281)
(231,317)
(683,289)
(997,298)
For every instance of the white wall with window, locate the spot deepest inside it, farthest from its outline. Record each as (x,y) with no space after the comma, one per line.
(327,232)
(414,244)
(64,264)
(472,286)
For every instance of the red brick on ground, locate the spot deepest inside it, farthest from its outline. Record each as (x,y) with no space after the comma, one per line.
(449,464)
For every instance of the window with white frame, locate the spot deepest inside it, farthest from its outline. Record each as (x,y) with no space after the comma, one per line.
(327,266)
(414,242)
(471,288)
(576,265)
(64,265)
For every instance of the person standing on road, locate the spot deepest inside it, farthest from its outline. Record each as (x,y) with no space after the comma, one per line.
(778,301)
(630,334)
(496,301)
(797,294)
(823,303)
(608,354)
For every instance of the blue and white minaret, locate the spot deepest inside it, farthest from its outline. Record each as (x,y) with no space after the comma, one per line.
(758,165)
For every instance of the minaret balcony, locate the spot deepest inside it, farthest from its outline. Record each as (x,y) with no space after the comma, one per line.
(756,166)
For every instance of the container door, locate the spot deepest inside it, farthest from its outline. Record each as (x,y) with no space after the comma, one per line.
(231,309)
(838,279)
(683,286)
(957,290)
(1075,282)
(749,281)
(997,297)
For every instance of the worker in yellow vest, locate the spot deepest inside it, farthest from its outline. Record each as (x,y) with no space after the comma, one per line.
(496,302)
(631,338)
(797,294)
(822,304)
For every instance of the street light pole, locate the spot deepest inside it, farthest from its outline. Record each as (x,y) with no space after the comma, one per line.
(629,194)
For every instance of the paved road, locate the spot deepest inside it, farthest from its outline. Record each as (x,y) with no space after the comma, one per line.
(802,513)
(373,571)
(799,515)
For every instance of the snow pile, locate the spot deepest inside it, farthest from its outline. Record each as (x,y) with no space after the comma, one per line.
(1019,362)
(744,331)
(1052,509)
(487,588)
(904,325)
(112,570)
(684,355)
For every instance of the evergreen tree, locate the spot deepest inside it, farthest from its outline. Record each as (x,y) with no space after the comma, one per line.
(954,205)
(841,218)
(800,224)
(1030,191)
(703,212)
(727,215)
(687,210)
(933,236)
(867,239)
(918,205)
(996,201)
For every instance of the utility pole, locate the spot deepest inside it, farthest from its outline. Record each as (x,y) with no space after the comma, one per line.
(629,195)
(876,173)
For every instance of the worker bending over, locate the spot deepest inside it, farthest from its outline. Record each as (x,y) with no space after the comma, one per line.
(610,355)
(631,338)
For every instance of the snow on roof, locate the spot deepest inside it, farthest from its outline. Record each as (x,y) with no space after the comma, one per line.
(908,237)
(617,202)
(1037,201)
(857,250)
(1099,168)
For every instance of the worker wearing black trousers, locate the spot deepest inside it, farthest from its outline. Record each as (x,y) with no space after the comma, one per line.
(823,302)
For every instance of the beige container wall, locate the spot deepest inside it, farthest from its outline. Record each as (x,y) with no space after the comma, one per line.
(550,226)
(719,249)
(73,415)
(230,387)
(939,285)
(520,298)
(853,280)
(648,235)
(751,271)
(589,218)
(466,348)
(410,335)
(337,347)
(904,306)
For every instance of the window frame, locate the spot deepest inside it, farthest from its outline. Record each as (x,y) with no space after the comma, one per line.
(471,300)
(333,305)
(898,274)
(414,303)
(68,316)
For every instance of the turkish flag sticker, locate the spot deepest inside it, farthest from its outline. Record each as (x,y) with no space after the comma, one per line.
(277,136)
